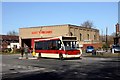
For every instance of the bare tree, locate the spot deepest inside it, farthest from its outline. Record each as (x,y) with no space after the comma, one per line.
(14,33)
(88,24)
(113,34)
(110,39)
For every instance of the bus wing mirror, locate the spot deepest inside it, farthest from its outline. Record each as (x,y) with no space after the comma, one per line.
(62,48)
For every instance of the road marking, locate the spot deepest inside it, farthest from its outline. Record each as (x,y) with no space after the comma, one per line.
(28,58)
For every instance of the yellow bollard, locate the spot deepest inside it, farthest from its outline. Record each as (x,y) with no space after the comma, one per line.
(33,54)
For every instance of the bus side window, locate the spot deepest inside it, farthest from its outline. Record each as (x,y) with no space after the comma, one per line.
(50,45)
(56,45)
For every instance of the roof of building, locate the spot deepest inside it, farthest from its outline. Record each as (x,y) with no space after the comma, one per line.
(9,37)
(60,25)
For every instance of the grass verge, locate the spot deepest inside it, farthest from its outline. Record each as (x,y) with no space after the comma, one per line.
(104,55)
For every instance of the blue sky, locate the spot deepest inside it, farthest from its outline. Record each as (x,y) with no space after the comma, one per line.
(17,15)
(119,12)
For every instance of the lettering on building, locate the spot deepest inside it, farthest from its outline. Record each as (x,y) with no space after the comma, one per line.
(41,32)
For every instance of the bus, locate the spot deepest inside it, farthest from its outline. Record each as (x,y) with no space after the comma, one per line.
(58,47)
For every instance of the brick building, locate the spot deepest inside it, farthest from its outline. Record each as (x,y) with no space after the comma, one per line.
(86,36)
(117,37)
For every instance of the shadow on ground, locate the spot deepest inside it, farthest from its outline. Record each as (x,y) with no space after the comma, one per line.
(112,73)
(108,70)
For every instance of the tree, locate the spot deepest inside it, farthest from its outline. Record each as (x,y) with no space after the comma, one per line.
(14,33)
(88,24)
(113,34)
(110,40)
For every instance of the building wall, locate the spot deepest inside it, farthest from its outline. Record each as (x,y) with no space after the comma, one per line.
(117,37)
(43,32)
(61,30)
(84,33)
(95,45)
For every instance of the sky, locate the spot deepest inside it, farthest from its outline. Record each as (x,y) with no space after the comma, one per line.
(17,15)
(119,12)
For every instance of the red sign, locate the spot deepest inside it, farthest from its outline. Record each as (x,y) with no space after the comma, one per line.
(41,32)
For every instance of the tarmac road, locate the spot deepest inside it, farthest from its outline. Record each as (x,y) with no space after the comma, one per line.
(86,68)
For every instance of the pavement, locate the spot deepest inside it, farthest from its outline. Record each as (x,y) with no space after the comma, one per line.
(27,58)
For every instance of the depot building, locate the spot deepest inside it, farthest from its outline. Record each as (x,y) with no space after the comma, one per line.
(85,36)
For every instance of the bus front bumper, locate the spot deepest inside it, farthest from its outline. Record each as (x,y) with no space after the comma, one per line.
(71,56)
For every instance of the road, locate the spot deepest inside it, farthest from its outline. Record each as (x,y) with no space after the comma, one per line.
(53,69)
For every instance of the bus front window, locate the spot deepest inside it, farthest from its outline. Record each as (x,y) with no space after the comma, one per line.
(70,45)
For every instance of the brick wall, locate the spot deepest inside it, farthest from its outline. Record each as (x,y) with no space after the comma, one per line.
(95,45)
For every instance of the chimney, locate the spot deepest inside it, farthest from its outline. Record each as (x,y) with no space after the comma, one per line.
(117,29)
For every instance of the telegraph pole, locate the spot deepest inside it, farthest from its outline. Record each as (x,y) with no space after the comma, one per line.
(106,39)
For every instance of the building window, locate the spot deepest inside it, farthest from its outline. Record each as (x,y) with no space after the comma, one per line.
(88,36)
(80,37)
(94,37)
(71,34)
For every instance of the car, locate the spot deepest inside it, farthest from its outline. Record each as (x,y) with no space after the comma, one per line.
(89,49)
(115,49)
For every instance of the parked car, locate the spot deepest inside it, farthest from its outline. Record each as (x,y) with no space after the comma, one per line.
(89,49)
(115,49)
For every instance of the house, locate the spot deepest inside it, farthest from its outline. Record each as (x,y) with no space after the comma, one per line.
(7,40)
(117,37)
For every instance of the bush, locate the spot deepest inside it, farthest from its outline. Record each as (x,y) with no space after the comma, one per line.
(105,46)
(9,50)
(5,50)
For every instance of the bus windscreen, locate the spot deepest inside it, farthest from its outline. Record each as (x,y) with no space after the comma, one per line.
(70,45)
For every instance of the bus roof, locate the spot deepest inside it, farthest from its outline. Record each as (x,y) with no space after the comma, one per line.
(63,38)
(47,39)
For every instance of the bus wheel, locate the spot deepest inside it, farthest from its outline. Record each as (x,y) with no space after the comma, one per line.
(60,56)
